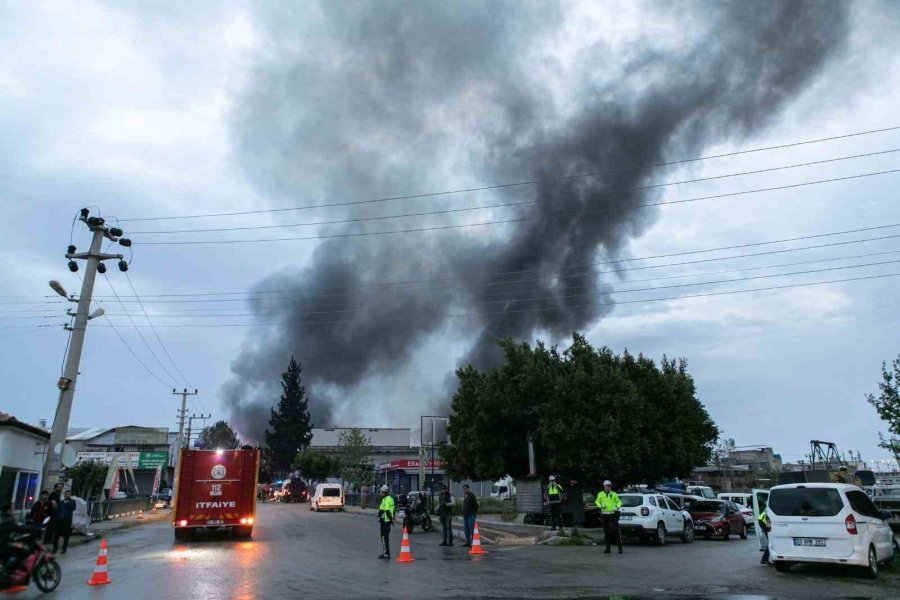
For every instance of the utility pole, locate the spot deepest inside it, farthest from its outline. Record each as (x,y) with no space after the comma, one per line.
(66,383)
(191,420)
(182,414)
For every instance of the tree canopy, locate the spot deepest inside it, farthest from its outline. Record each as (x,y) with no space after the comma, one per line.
(291,427)
(354,464)
(888,406)
(218,435)
(591,414)
(87,478)
(315,466)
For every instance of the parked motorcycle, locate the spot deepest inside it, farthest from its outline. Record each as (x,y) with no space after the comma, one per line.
(39,566)
(416,514)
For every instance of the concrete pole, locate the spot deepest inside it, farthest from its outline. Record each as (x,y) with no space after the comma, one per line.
(66,384)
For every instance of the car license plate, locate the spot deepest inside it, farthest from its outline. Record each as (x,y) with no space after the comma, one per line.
(815,542)
(625,517)
(215,522)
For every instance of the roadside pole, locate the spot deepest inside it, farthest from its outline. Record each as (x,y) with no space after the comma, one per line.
(94,257)
(182,414)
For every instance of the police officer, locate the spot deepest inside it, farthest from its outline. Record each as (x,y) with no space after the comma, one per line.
(385,519)
(763,524)
(609,504)
(554,499)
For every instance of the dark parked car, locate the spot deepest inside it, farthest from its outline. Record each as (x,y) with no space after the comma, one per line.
(719,518)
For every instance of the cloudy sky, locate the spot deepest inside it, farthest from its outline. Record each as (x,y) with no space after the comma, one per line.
(141,111)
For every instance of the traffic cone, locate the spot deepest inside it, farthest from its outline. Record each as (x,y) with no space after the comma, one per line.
(100,575)
(405,554)
(476,542)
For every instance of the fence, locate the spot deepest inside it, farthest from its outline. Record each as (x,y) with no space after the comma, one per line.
(100,510)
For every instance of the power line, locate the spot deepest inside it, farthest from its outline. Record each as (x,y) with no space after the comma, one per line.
(24,329)
(158,339)
(509,204)
(275,311)
(562,276)
(152,353)
(519,219)
(519,183)
(552,308)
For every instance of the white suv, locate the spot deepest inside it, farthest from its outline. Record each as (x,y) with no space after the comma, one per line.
(827,523)
(654,517)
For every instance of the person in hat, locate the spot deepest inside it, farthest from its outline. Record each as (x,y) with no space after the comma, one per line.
(554,499)
(385,520)
(609,504)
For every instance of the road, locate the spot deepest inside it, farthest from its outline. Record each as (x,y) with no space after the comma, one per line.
(296,553)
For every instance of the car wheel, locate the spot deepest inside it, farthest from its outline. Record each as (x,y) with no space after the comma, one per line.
(528,520)
(743,532)
(872,569)
(687,535)
(782,566)
(726,532)
(660,538)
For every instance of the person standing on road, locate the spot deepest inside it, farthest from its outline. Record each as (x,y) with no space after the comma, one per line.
(470,513)
(764,528)
(53,501)
(445,513)
(554,499)
(609,504)
(64,514)
(364,496)
(385,520)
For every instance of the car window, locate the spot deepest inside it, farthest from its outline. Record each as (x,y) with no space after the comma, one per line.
(706,506)
(862,504)
(631,501)
(652,501)
(806,502)
(331,492)
(670,503)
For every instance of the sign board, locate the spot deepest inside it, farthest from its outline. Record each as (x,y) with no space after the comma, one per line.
(410,464)
(142,460)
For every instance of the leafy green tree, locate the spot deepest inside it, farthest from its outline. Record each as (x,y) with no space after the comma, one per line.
(219,435)
(354,464)
(87,478)
(590,413)
(315,466)
(888,406)
(291,427)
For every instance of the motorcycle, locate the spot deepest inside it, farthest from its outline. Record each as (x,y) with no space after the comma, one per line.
(39,566)
(415,514)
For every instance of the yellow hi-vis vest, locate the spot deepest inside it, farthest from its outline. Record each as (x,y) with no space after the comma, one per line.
(386,510)
(608,503)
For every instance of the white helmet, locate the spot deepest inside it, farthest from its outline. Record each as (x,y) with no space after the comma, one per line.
(552,478)
(384,489)
(607,482)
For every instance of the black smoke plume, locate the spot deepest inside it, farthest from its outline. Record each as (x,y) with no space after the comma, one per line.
(356,100)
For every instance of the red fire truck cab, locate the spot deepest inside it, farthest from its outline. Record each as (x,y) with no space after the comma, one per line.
(216,489)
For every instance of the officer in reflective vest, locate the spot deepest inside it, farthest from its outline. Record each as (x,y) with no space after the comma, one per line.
(554,499)
(385,519)
(764,528)
(609,504)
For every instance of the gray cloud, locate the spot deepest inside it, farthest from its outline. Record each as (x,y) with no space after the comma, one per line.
(356,101)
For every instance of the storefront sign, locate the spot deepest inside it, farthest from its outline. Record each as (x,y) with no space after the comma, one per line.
(410,464)
(140,460)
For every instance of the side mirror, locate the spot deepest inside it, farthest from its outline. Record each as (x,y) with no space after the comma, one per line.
(887,515)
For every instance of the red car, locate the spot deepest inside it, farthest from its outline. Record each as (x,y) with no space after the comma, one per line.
(720,518)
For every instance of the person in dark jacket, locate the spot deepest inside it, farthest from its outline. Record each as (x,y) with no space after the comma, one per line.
(445,513)
(470,513)
(63,527)
(12,554)
(40,510)
(53,501)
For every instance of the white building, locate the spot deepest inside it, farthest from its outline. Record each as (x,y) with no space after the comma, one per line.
(22,448)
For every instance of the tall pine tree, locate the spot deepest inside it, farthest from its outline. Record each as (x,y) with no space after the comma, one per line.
(290,427)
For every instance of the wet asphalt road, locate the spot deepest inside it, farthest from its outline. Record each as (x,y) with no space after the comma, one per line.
(299,554)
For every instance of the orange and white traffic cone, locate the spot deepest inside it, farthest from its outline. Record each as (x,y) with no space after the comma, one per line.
(476,542)
(100,575)
(405,554)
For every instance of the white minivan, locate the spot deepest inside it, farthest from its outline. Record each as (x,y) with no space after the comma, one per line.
(328,496)
(827,523)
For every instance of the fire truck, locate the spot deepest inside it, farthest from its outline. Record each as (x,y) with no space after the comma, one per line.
(216,489)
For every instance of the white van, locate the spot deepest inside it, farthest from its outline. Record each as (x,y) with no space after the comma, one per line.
(328,496)
(827,523)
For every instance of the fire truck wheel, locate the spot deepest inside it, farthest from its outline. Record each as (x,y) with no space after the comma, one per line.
(243,533)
